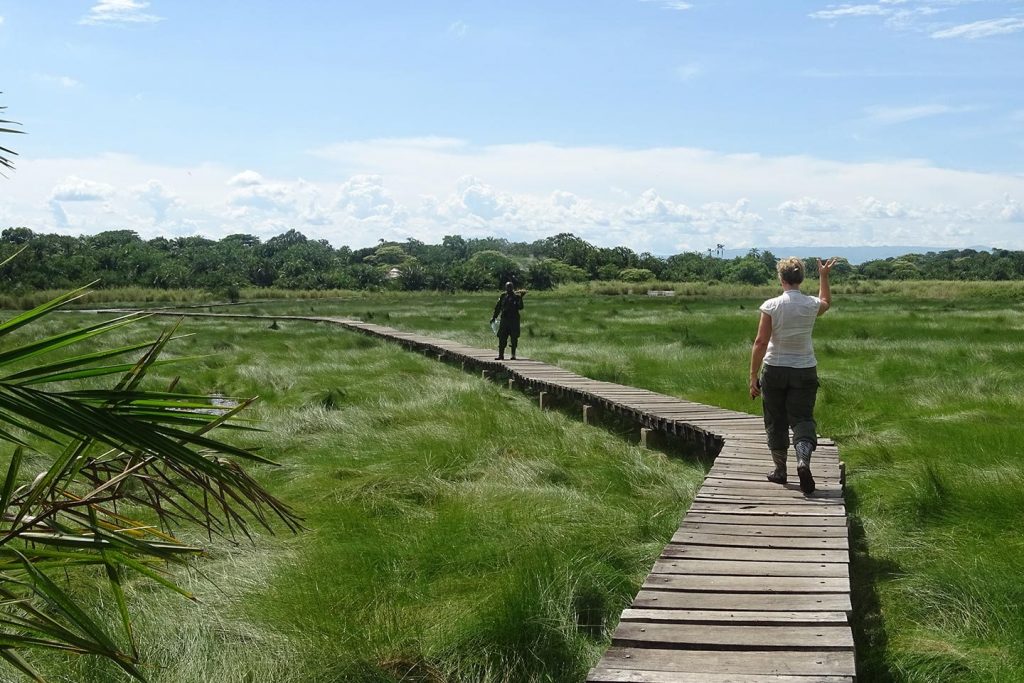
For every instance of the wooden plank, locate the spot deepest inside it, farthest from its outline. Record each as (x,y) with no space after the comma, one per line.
(708,616)
(749,584)
(826,479)
(762,662)
(745,509)
(613,675)
(801,501)
(817,637)
(745,553)
(795,542)
(699,567)
(768,519)
(767,488)
(762,530)
(778,602)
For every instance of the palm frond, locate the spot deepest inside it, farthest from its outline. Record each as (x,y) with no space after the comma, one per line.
(126,446)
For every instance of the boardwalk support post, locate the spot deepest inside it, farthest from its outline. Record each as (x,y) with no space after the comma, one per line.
(644,436)
(484,374)
(511,383)
(586,414)
(540,399)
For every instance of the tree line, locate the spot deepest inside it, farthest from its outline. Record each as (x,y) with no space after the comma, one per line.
(120,258)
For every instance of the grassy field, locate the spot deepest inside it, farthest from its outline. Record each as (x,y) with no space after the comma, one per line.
(458,534)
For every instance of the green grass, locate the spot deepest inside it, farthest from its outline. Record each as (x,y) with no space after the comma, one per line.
(458,534)
(921,389)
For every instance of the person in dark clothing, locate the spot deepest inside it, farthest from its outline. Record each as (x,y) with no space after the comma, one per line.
(508,307)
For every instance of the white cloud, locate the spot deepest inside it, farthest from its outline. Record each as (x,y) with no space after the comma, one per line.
(119,12)
(873,208)
(246,178)
(660,199)
(805,206)
(688,72)
(850,11)
(75,189)
(677,5)
(458,29)
(264,197)
(982,29)
(364,196)
(60,81)
(886,115)
(157,197)
(1012,211)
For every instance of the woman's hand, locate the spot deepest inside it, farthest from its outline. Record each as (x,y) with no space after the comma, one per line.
(824,268)
(755,388)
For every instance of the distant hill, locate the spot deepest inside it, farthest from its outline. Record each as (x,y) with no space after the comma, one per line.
(854,255)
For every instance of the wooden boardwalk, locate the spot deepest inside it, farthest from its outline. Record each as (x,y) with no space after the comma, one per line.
(755,583)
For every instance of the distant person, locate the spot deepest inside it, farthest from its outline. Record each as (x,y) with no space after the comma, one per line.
(789,380)
(509,304)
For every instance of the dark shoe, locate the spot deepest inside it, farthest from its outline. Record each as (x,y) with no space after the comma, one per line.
(513,357)
(500,358)
(806,480)
(777,477)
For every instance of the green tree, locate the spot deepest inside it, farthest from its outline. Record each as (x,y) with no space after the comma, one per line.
(636,275)
(750,270)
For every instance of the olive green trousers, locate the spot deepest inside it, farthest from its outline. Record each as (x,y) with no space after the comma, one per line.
(788,396)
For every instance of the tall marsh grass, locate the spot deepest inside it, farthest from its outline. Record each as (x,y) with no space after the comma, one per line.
(458,534)
(455,533)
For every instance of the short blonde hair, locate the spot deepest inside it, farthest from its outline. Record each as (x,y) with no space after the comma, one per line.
(791,270)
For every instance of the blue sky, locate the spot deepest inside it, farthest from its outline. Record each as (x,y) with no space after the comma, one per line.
(659,124)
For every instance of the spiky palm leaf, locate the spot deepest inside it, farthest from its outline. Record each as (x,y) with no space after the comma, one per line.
(5,153)
(107,451)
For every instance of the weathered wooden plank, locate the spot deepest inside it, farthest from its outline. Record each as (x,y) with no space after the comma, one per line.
(815,531)
(766,488)
(778,602)
(795,542)
(708,616)
(749,584)
(817,637)
(746,553)
(612,675)
(764,519)
(676,565)
(762,662)
(746,509)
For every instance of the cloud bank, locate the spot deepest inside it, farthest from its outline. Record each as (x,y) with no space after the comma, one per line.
(659,199)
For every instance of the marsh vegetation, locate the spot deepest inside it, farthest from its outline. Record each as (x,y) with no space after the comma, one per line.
(456,533)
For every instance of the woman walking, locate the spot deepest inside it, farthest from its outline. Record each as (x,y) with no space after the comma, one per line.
(789,380)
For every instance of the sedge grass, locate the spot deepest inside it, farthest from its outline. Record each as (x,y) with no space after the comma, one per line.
(437,529)
(455,533)
(921,389)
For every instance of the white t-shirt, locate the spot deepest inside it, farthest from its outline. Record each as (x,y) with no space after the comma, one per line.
(793,314)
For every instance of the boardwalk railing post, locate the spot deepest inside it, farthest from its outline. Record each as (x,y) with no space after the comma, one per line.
(586,414)
(540,400)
